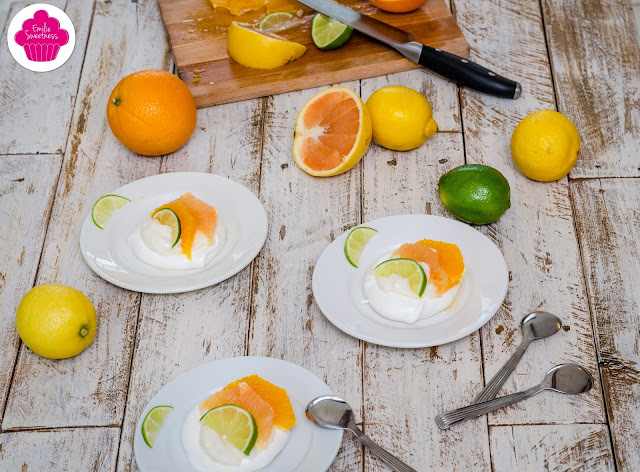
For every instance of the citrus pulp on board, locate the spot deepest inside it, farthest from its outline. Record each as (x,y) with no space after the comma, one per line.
(56,321)
(402,118)
(475,193)
(545,145)
(258,49)
(398,6)
(333,131)
(152,112)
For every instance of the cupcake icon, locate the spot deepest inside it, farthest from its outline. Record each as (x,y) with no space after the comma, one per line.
(41,37)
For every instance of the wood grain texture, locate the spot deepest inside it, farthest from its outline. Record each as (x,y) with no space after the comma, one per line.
(37,107)
(305,214)
(198,38)
(557,448)
(90,389)
(27,186)
(595,55)
(404,389)
(92,449)
(536,235)
(607,219)
(211,323)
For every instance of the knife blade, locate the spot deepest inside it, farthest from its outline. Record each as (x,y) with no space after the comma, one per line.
(460,70)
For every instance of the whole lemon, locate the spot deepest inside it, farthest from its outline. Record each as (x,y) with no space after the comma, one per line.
(402,118)
(545,145)
(56,321)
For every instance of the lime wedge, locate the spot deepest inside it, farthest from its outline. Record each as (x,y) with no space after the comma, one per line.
(168,217)
(277,21)
(104,207)
(234,424)
(153,422)
(328,33)
(355,243)
(407,268)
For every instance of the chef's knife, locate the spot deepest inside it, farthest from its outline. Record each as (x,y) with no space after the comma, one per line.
(456,68)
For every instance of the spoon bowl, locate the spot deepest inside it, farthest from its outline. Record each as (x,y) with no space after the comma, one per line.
(571,379)
(540,324)
(330,412)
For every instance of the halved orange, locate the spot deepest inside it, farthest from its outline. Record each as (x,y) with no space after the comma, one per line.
(276,397)
(245,397)
(333,131)
(398,6)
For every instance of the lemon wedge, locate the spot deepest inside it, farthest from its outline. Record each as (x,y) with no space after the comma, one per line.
(258,49)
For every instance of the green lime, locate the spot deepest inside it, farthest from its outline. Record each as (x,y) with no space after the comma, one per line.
(277,21)
(104,207)
(407,268)
(475,193)
(355,243)
(168,217)
(328,33)
(236,426)
(153,422)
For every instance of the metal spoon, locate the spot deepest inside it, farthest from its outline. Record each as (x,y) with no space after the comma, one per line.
(536,325)
(334,413)
(565,378)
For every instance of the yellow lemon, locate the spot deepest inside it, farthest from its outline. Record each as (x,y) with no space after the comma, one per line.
(259,49)
(333,131)
(545,145)
(402,118)
(56,321)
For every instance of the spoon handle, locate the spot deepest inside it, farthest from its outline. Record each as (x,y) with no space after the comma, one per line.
(445,420)
(392,461)
(490,390)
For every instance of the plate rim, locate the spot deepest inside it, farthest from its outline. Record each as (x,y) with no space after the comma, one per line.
(412,345)
(236,359)
(150,290)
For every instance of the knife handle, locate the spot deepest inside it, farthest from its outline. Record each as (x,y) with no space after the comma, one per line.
(467,73)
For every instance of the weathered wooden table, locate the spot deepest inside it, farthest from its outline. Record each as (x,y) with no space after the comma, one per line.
(572,248)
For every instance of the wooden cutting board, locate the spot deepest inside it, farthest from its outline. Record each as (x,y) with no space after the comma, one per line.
(197,32)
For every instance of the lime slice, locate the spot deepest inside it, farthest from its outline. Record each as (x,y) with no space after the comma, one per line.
(104,207)
(355,243)
(277,21)
(168,217)
(234,424)
(153,422)
(328,33)
(407,268)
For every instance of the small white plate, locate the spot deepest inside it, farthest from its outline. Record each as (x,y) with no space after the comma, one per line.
(240,212)
(339,292)
(310,448)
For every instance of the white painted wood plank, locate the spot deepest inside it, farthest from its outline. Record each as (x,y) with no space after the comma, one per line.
(211,323)
(607,219)
(27,186)
(536,235)
(595,53)
(305,214)
(404,389)
(79,449)
(90,389)
(550,448)
(37,107)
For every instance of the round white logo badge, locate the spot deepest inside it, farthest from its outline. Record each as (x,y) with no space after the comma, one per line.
(41,37)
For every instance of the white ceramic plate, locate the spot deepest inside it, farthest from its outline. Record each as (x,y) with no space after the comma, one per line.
(338,286)
(310,448)
(239,210)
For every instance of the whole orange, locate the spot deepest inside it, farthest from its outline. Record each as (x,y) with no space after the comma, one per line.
(152,112)
(398,6)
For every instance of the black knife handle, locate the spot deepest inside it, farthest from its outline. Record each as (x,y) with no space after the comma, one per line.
(467,73)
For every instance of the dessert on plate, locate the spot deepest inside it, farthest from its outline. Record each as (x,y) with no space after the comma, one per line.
(182,234)
(416,281)
(240,428)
